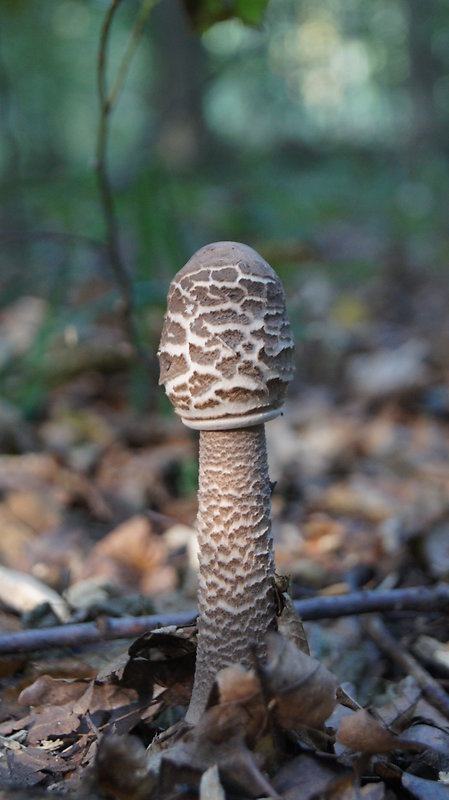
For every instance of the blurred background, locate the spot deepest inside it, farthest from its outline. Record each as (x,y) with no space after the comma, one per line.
(318,135)
(133,133)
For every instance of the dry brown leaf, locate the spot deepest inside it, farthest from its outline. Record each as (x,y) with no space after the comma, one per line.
(236,685)
(24,593)
(131,541)
(86,702)
(121,769)
(240,696)
(305,777)
(52,722)
(37,509)
(27,766)
(390,372)
(358,497)
(133,554)
(165,657)
(372,791)
(54,691)
(16,538)
(363,733)
(303,689)
(429,713)
(190,758)
(104,697)
(210,786)
(222,723)
(400,706)
(290,624)
(133,479)
(29,471)
(434,737)
(422,789)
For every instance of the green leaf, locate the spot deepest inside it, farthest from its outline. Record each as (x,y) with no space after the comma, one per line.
(205,13)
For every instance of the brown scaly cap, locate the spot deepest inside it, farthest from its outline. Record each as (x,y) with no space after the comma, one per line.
(226,350)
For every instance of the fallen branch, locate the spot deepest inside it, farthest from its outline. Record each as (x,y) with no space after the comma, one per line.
(416,598)
(431,689)
(74,635)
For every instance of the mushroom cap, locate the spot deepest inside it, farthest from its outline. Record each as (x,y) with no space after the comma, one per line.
(226,350)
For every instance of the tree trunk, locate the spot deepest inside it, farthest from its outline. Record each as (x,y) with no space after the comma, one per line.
(180,60)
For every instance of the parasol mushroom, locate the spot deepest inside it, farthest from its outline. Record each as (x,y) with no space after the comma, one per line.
(226,358)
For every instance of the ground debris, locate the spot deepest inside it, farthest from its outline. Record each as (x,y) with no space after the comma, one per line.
(97,506)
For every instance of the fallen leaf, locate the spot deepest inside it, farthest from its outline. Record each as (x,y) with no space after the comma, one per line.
(303,689)
(290,624)
(423,789)
(27,766)
(54,691)
(165,657)
(432,737)
(432,651)
(53,721)
(185,763)
(398,710)
(240,696)
(210,786)
(363,733)
(389,372)
(305,777)
(28,471)
(37,509)
(121,770)
(133,554)
(24,593)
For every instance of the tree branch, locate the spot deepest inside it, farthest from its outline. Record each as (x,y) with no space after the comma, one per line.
(107,101)
(74,635)
(431,689)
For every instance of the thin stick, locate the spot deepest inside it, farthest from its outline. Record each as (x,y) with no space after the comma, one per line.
(142,16)
(416,598)
(431,689)
(74,635)
(107,101)
(104,183)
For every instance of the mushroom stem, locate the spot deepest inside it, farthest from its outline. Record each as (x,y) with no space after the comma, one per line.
(236,584)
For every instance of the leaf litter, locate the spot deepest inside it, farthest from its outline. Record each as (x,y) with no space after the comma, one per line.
(97,509)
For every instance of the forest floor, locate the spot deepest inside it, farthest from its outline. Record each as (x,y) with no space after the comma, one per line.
(97,508)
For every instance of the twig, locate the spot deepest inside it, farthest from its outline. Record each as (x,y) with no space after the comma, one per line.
(431,689)
(73,635)
(139,24)
(104,184)
(107,101)
(416,598)
(83,633)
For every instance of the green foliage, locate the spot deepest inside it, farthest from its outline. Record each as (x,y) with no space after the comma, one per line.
(307,126)
(186,477)
(203,14)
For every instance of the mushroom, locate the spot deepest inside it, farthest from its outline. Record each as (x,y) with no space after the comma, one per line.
(226,358)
